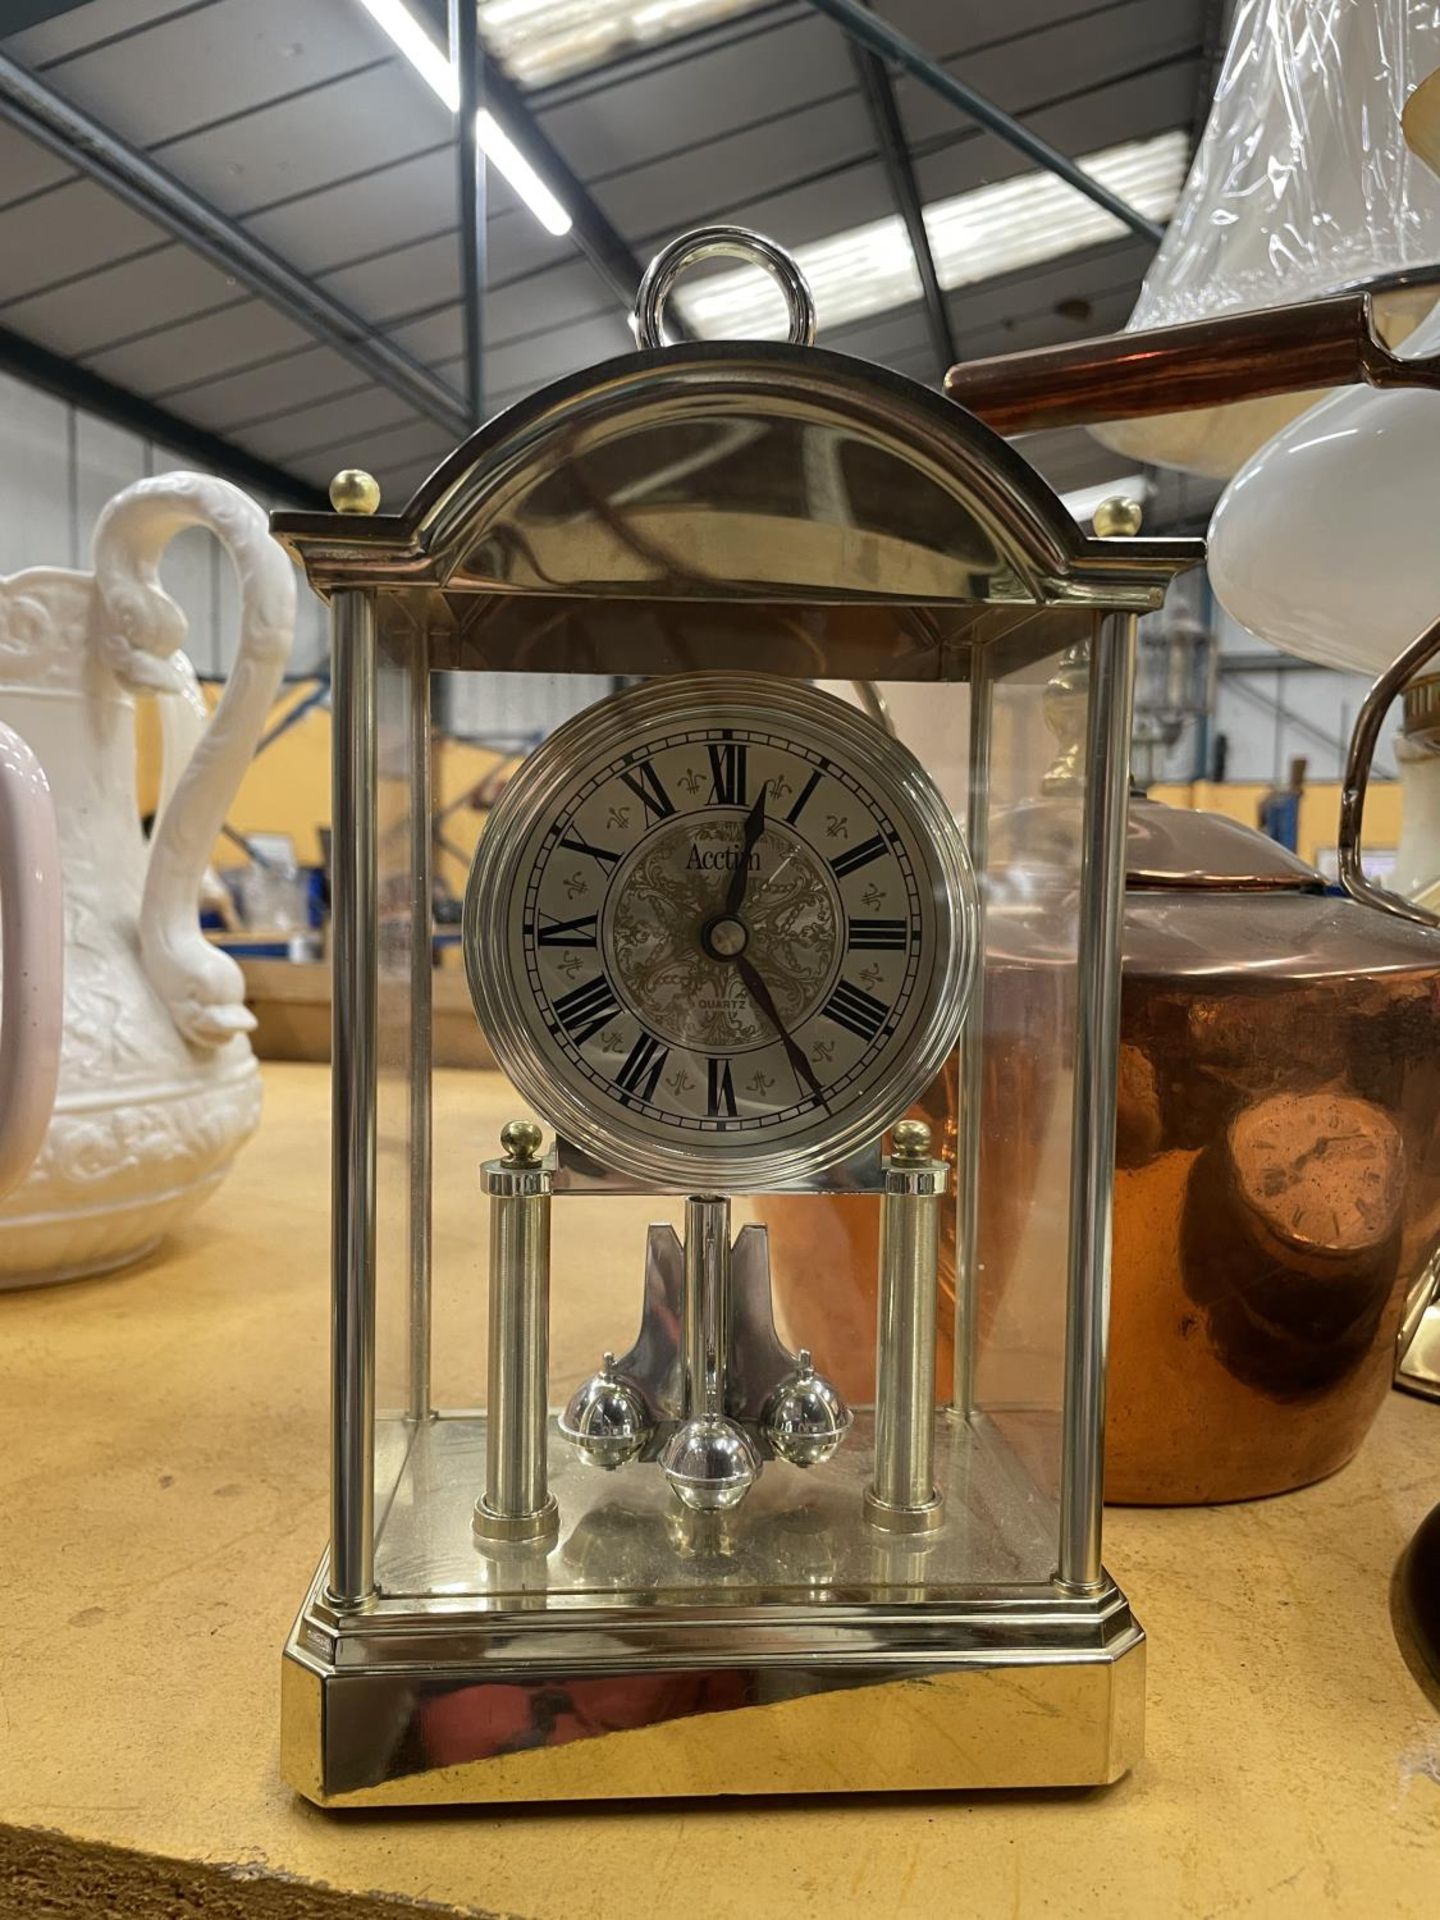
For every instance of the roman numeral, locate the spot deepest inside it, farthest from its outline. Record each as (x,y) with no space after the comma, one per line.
(602,854)
(565,933)
(729,775)
(855,1010)
(879,936)
(642,1068)
(586,1008)
(804,794)
(720,1091)
(644,783)
(856,857)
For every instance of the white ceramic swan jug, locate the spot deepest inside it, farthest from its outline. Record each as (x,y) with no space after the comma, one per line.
(32,939)
(158,1087)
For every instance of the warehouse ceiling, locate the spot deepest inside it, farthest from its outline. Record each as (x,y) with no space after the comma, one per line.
(300,124)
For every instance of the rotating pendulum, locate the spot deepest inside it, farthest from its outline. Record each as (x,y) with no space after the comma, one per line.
(709,1459)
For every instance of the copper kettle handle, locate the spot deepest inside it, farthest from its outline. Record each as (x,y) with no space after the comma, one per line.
(1312,346)
(1368,722)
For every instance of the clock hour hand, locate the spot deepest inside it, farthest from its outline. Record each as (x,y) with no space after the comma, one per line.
(765,1000)
(754,827)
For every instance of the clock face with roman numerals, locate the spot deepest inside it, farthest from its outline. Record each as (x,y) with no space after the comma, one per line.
(719,931)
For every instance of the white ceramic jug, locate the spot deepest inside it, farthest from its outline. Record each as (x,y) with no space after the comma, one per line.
(158,1085)
(32,945)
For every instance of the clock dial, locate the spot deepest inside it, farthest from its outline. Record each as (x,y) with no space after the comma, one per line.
(718,930)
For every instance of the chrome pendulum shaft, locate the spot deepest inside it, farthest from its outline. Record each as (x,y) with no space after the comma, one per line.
(517,1504)
(903,1497)
(709,1460)
(706,1304)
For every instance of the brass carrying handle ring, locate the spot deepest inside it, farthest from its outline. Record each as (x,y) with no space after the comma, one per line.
(708,243)
(1376,705)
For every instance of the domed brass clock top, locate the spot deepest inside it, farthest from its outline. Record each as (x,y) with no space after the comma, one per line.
(719,931)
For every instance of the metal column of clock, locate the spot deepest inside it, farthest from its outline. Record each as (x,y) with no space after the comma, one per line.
(517,1504)
(353,1129)
(903,1496)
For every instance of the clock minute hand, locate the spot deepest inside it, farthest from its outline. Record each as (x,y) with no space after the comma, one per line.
(765,1000)
(739,880)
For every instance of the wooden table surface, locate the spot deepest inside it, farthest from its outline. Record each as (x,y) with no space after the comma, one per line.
(164,1460)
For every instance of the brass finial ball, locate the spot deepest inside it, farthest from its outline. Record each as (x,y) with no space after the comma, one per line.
(910,1141)
(520,1142)
(1117,517)
(355,491)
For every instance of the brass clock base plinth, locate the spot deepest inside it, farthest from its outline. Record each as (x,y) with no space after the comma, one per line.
(359,1739)
(788,1647)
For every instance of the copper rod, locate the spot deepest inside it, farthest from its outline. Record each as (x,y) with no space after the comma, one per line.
(1126,376)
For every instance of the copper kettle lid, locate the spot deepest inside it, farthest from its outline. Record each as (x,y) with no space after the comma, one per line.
(1192,912)
(1177,847)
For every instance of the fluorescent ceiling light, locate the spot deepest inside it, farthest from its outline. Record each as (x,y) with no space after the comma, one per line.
(974,236)
(438,72)
(428,60)
(511,162)
(542,40)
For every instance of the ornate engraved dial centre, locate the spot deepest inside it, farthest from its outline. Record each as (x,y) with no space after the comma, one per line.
(674,946)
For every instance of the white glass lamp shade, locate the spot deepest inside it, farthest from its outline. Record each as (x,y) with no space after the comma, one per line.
(1324,542)
(1302,185)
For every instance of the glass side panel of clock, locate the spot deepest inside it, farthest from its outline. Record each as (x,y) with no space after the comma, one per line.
(722,932)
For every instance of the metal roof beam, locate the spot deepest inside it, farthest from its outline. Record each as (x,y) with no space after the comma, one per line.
(38,367)
(879,96)
(887,41)
(467,56)
(591,231)
(48,118)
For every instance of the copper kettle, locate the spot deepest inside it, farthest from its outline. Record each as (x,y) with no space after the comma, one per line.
(1277,1178)
(1277,1183)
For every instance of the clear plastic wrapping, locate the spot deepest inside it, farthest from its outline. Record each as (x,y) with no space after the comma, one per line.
(1302,184)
